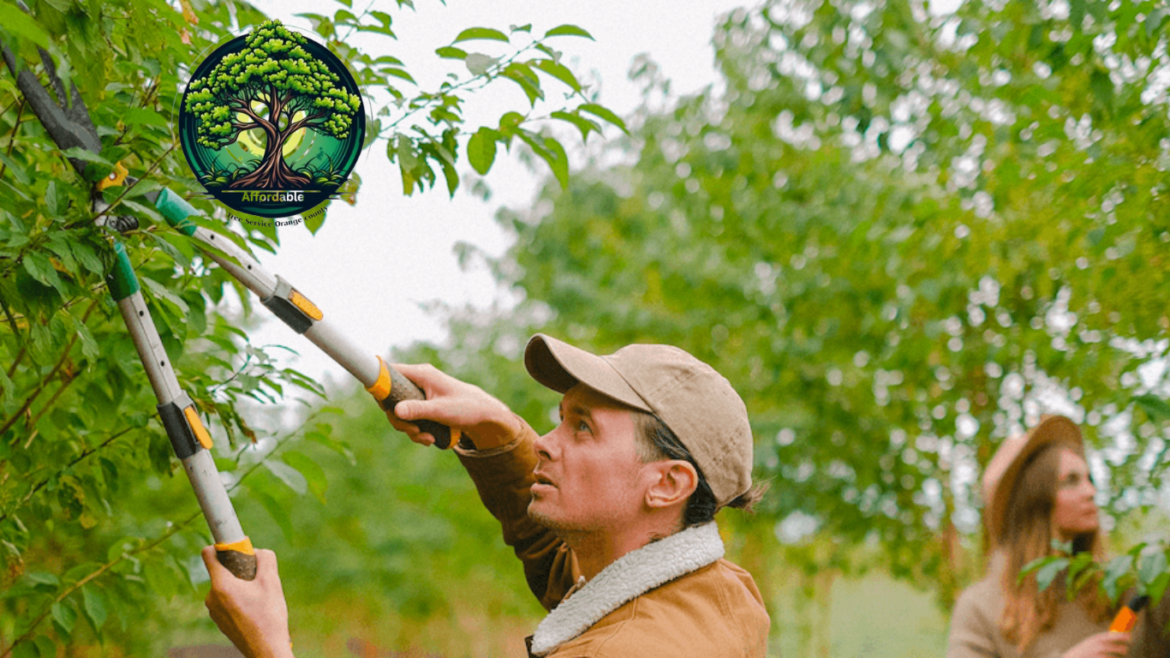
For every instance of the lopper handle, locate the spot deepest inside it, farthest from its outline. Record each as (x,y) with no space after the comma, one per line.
(393,387)
(238,558)
(1127,616)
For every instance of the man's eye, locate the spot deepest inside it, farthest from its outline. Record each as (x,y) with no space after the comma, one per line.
(583,427)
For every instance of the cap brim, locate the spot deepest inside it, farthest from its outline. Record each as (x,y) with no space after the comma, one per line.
(560,366)
(1053,429)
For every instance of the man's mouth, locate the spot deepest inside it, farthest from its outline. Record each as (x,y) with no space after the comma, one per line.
(542,479)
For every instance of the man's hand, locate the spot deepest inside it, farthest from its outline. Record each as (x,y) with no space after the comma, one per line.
(459,405)
(253,615)
(1101,645)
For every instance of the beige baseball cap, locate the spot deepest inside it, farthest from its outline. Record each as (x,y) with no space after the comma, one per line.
(696,403)
(999,478)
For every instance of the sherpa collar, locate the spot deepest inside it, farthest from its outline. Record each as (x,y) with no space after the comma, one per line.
(632,575)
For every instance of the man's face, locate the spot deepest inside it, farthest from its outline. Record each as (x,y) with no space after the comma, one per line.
(588,477)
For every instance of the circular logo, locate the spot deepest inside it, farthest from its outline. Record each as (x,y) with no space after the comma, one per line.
(272,123)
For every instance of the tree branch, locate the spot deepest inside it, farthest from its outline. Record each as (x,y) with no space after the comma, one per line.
(303,122)
(12,137)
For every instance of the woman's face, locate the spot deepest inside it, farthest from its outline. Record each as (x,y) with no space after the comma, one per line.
(1075,512)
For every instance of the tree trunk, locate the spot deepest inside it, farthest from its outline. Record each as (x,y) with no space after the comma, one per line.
(272,173)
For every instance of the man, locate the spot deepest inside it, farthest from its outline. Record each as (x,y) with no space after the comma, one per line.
(611,512)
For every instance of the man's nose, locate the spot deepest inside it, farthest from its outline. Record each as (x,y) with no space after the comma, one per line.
(545,445)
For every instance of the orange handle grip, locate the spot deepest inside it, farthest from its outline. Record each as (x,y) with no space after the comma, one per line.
(1127,616)
(393,387)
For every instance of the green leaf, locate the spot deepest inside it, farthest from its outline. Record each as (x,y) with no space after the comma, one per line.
(399,73)
(582,124)
(18,170)
(1102,88)
(144,211)
(382,17)
(451,52)
(605,114)
(510,122)
(78,153)
(276,510)
(26,649)
(558,71)
(39,268)
(1151,566)
(481,149)
(1117,569)
(1157,587)
(522,75)
(87,257)
(488,33)
(567,31)
(1156,408)
(314,222)
(95,606)
(89,347)
(313,473)
(479,64)
(53,199)
(65,616)
(46,647)
(558,161)
(139,116)
(289,476)
(1049,570)
(21,25)
(42,578)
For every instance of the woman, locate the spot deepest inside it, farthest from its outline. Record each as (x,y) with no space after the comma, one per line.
(1037,488)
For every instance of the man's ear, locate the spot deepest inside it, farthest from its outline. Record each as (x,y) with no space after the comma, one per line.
(674,480)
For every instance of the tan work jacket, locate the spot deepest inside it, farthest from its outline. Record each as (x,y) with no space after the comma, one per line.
(975,626)
(674,597)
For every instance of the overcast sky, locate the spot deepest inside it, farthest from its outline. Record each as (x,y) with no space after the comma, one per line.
(372,265)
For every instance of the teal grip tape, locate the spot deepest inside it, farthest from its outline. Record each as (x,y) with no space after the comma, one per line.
(122,280)
(176,210)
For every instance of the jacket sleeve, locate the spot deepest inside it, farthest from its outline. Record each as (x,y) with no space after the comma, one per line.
(503,477)
(972,632)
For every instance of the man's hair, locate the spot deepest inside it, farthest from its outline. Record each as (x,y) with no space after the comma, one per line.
(655,441)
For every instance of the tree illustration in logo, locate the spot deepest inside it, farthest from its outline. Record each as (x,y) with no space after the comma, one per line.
(275,88)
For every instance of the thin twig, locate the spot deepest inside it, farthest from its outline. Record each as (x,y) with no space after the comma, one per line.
(70,377)
(16,362)
(49,378)
(125,191)
(28,496)
(12,137)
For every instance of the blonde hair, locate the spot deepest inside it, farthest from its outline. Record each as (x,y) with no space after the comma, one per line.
(1027,535)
